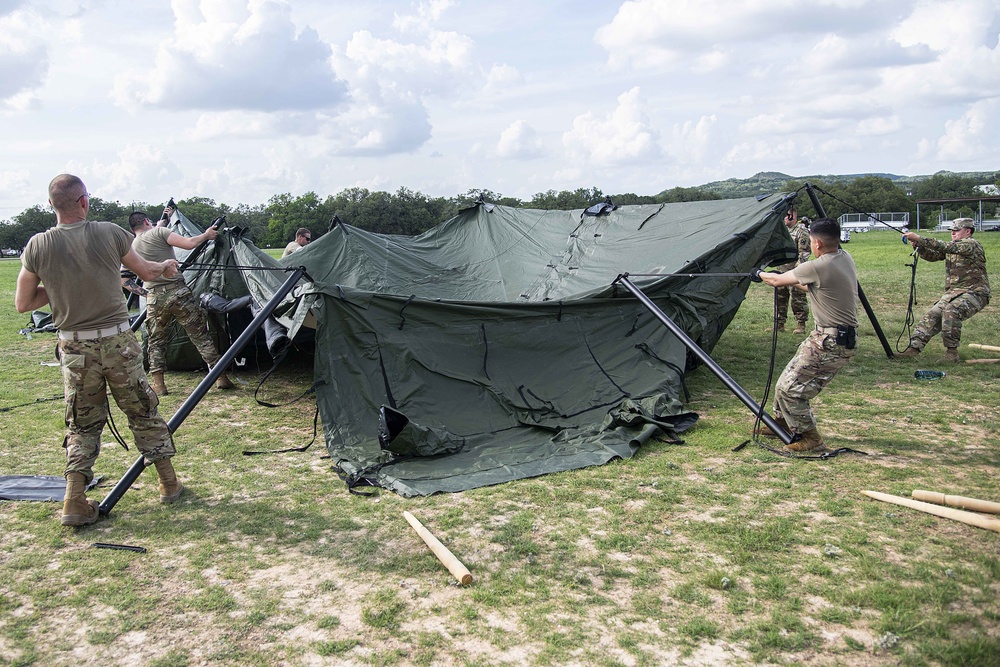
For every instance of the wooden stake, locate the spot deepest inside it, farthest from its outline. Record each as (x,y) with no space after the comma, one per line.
(447,558)
(960,502)
(991,348)
(970,518)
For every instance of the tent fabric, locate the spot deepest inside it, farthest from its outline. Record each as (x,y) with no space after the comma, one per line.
(499,339)
(37,487)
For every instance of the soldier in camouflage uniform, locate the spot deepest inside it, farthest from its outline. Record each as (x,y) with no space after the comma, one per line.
(832,282)
(967,287)
(79,262)
(171,298)
(800,303)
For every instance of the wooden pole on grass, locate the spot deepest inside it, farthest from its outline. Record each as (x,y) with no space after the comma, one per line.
(970,518)
(447,558)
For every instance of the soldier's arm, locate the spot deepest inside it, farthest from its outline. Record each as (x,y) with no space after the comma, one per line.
(149,270)
(30,293)
(191,242)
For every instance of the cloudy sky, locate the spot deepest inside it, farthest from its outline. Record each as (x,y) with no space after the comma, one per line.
(237,100)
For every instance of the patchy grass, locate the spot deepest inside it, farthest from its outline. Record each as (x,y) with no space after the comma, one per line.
(685,554)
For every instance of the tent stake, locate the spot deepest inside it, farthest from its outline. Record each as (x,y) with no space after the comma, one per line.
(739,392)
(199,392)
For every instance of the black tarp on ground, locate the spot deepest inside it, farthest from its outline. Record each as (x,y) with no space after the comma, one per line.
(500,333)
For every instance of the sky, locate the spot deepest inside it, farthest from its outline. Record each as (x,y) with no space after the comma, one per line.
(239,100)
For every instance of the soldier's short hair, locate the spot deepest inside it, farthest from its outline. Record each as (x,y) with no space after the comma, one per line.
(825,229)
(137,219)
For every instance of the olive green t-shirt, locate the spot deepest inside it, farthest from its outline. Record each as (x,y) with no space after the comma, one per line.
(152,246)
(80,266)
(833,288)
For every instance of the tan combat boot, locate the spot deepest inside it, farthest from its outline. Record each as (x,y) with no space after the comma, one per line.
(800,329)
(810,441)
(170,486)
(951,354)
(159,386)
(908,353)
(77,510)
(781,326)
(766,431)
(224,382)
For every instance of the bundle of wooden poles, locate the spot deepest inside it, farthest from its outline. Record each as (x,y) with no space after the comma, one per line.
(942,505)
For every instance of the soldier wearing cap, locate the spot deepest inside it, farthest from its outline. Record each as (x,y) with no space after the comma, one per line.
(966,285)
(831,281)
(75,268)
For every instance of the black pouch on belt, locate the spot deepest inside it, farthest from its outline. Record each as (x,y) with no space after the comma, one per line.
(847,336)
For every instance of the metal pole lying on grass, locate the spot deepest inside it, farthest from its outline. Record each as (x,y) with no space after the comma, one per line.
(199,392)
(740,393)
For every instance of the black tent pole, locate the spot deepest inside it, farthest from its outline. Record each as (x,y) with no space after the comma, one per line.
(199,392)
(740,393)
(861,293)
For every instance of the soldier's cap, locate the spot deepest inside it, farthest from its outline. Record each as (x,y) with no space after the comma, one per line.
(962,223)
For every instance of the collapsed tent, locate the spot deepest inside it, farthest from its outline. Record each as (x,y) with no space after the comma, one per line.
(497,345)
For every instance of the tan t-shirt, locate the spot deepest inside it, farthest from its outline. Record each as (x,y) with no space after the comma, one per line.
(80,266)
(833,288)
(152,246)
(290,248)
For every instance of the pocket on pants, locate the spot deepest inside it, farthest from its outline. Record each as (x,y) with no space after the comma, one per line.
(74,360)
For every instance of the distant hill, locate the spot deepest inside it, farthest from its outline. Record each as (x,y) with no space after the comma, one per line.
(775,181)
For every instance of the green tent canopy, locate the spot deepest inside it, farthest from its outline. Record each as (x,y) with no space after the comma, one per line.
(497,346)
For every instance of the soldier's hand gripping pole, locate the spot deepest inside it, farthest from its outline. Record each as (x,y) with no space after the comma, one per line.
(731,384)
(199,392)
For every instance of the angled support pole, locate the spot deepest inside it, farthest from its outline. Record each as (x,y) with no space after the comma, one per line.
(818,205)
(132,474)
(730,383)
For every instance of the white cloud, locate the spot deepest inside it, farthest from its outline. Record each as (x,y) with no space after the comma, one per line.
(229,54)
(878,126)
(691,141)
(140,172)
(24,57)
(519,141)
(663,33)
(972,136)
(623,136)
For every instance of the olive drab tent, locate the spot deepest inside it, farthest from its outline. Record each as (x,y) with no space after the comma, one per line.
(498,346)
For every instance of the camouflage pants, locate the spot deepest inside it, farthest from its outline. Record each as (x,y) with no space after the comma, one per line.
(946,317)
(816,362)
(799,299)
(179,303)
(89,368)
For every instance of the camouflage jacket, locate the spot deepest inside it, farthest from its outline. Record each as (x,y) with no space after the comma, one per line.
(964,264)
(801,237)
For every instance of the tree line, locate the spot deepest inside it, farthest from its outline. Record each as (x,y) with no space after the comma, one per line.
(406,212)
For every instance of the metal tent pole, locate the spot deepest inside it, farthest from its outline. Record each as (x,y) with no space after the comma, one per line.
(199,392)
(733,386)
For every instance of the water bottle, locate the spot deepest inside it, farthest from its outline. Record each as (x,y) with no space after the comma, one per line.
(929,375)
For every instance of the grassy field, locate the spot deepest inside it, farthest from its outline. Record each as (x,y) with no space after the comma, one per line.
(687,554)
